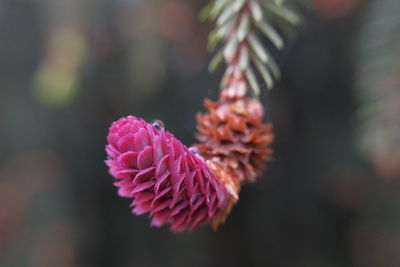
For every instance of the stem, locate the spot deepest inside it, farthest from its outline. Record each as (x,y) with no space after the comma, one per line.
(234,83)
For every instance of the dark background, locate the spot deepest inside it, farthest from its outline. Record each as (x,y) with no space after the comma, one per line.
(69,68)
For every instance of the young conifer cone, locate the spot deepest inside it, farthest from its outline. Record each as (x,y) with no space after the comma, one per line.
(233,135)
(164,178)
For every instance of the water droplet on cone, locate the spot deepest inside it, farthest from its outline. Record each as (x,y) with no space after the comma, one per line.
(159,125)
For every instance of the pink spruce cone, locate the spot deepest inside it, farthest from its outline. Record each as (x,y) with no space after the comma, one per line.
(162,176)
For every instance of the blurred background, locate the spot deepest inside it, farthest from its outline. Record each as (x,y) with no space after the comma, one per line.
(68,68)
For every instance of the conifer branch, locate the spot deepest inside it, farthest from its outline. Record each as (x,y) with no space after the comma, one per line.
(239,27)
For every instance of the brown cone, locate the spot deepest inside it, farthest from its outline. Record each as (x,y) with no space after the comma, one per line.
(235,143)
(233,134)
